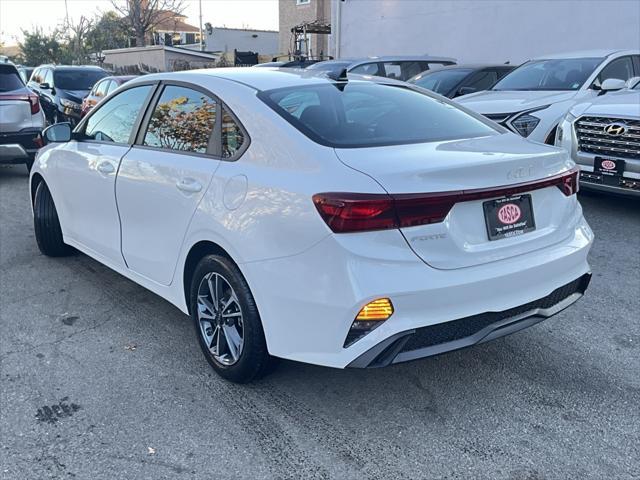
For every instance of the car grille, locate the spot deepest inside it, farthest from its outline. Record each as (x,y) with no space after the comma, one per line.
(592,137)
(465,327)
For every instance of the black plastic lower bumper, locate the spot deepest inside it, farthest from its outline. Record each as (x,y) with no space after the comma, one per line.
(453,335)
(25,142)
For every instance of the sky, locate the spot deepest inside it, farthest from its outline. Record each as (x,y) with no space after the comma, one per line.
(26,14)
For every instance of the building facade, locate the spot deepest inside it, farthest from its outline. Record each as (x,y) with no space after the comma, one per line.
(156,58)
(218,39)
(481,31)
(297,12)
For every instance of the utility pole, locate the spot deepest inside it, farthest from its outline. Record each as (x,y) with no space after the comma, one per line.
(201,38)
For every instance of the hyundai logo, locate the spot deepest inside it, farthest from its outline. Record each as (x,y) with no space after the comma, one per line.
(615,129)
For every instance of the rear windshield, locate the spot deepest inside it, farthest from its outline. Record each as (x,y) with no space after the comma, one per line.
(77,79)
(9,79)
(441,81)
(362,114)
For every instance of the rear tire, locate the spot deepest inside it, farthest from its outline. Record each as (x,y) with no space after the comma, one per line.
(248,359)
(47,225)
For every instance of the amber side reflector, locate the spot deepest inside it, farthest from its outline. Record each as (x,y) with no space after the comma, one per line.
(379,309)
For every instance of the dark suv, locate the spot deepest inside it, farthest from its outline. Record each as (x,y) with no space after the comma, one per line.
(62,88)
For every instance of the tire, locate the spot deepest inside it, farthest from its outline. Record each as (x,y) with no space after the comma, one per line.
(251,360)
(47,225)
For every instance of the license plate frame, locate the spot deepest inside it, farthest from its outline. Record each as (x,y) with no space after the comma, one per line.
(508,217)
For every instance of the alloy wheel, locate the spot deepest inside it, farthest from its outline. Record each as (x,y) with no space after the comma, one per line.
(220,318)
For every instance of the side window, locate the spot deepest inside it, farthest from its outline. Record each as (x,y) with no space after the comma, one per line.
(101,89)
(393,70)
(621,68)
(369,69)
(113,120)
(232,135)
(112,86)
(482,80)
(182,120)
(36,76)
(48,77)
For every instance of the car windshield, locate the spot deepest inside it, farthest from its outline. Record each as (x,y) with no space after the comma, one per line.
(362,114)
(77,79)
(9,79)
(441,81)
(561,74)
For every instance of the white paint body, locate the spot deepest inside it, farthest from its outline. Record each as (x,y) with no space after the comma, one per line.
(308,282)
(559,102)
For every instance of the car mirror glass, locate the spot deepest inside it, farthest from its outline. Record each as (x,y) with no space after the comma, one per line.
(58,133)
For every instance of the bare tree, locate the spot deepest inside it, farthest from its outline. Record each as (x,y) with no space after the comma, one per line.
(143,15)
(77,34)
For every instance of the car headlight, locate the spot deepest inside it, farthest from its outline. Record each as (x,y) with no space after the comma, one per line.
(564,128)
(69,104)
(525,124)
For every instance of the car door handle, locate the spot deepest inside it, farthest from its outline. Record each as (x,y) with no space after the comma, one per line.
(106,168)
(189,185)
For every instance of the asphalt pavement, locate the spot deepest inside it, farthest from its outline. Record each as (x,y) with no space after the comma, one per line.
(101,379)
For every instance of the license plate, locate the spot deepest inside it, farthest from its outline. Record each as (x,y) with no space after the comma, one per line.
(509,216)
(608,166)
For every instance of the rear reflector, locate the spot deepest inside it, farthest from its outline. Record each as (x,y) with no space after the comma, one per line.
(31,98)
(360,212)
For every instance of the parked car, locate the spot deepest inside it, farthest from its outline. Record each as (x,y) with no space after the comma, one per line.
(289,64)
(101,89)
(603,137)
(62,88)
(534,98)
(353,267)
(25,73)
(456,80)
(21,119)
(397,67)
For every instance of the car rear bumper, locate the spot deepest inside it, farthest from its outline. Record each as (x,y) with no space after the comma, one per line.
(20,146)
(456,334)
(308,301)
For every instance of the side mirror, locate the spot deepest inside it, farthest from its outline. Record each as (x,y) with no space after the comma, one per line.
(466,91)
(58,133)
(45,86)
(612,84)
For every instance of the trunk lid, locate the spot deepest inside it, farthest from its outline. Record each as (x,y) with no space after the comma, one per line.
(15,114)
(462,239)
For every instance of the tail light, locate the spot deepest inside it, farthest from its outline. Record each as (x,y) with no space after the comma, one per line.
(31,98)
(360,212)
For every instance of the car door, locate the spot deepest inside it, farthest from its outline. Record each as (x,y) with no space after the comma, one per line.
(164,176)
(87,172)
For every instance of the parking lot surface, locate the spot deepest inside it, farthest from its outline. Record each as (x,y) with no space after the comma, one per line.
(101,379)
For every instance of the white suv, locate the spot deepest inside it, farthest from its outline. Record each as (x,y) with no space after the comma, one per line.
(534,98)
(603,138)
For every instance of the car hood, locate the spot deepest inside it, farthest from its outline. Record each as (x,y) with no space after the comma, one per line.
(507,101)
(623,103)
(73,95)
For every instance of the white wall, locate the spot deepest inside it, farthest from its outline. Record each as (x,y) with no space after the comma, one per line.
(228,39)
(483,30)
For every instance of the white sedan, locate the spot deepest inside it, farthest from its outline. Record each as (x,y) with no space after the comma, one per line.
(346,223)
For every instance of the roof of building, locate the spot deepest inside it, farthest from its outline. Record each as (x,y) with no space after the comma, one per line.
(173,22)
(245,29)
(148,48)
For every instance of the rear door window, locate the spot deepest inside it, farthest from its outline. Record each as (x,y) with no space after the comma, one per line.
(369,69)
(182,120)
(114,120)
(233,137)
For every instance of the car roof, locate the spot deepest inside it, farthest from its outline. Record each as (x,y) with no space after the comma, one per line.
(389,58)
(601,53)
(258,78)
(71,67)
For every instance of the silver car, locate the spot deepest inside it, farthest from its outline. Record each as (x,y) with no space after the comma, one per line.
(21,119)
(603,137)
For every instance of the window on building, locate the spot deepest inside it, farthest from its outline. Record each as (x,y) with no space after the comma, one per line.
(190,38)
(182,120)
